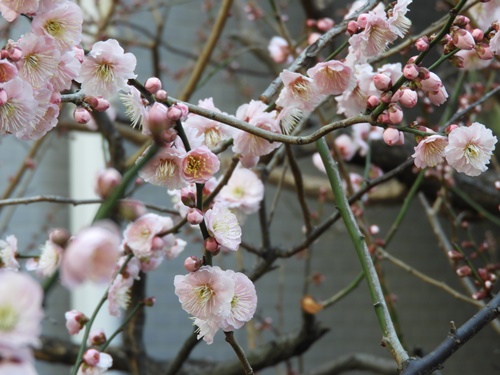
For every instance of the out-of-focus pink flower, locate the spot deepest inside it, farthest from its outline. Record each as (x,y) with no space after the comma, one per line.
(11,9)
(331,77)
(174,249)
(495,43)
(49,260)
(243,304)
(153,84)
(325,24)
(8,250)
(164,169)
(96,337)
(298,91)
(75,321)
(318,162)
(205,294)
(21,307)
(141,236)
(346,146)
(223,225)
(62,22)
(393,137)
(95,363)
(243,192)
(106,69)
(91,255)
(430,151)
(470,148)
(279,50)
(199,165)
(17,361)
(106,182)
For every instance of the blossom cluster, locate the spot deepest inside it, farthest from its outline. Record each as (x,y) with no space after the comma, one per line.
(216,299)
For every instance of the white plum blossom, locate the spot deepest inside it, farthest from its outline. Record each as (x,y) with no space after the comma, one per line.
(223,225)
(8,250)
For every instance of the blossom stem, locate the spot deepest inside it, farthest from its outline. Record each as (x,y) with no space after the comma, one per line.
(390,338)
(136,308)
(89,324)
(239,352)
(404,208)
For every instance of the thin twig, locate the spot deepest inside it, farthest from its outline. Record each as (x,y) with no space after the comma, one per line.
(239,353)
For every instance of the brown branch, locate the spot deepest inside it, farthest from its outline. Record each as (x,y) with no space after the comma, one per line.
(357,361)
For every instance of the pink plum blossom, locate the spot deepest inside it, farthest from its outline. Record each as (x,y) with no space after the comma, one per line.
(243,304)
(346,146)
(19,109)
(398,21)
(135,108)
(164,169)
(213,132)
(17,361)
(470,148)
(243,192)
(75,321)
(106,181)
(8,70)
(62,22)
(142,236)
(67,70)
(430,151)
(207,328)
(91,255)
(331,77)
(298,91)
(199,165)
(8,250)
(118,295)
(21,308)
(40,59)
(106,69)
(205,294)
(95,363)
(288,118)
(495,43)
(223,225)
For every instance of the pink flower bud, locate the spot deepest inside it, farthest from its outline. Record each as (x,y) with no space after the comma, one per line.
(174,113)
(192,264)
(464,271)
(91,357)
(386,97)
(161,95)
(422,44)
(157,119)
(352,27)
(15,54)
(478,35)
(483,274)
(450,128)
(59,236)
(81,115)
(410,71)
(479,295)
(102,104)
(374,229)
(149,302)
(455,255)
(188,198)
(406,97)
(75,321)
(310,22)
(363,20)
(91,101)
(169,135)
(382,82)
(393,137)
(372,102)
(153,85)
(461,21)
(325,24)
(212,246)
(462,39)
(313,37)
(55,98)
(96,337)
(424,74)
(194,216)
(395,114)
(106,182)
(157,243)
(484,51)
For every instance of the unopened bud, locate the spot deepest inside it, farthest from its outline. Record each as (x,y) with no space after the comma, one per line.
(411,71)
(212,246)
(131,209)
(188,198)
(382,82)
(192,264)
(81,115)
(106,182)
(325,24)
(59,236)
(91,357)
(153,85)
(450,128)
(194,216)
(161,95)
(478,35)
(422,44)
(393,137)
(96,337)
(149,302)
(353,27)
(102,104)
(372,102)
(464,271)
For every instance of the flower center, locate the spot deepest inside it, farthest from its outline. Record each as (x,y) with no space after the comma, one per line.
(238,192)
(195,166)
(301,88)
(105,71)
(212,137)
(8,318)
(204,293)
(165,170)
(53,28)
